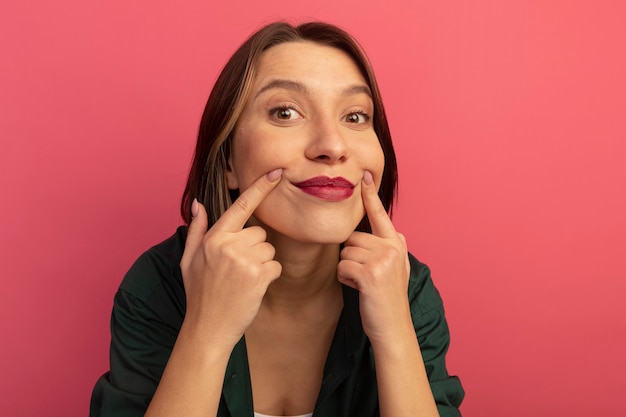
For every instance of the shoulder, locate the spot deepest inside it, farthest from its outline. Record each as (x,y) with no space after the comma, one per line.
(156,268)
(423,294)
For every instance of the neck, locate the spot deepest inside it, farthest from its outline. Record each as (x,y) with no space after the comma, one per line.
(309,272)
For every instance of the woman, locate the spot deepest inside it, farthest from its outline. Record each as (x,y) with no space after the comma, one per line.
(290,293)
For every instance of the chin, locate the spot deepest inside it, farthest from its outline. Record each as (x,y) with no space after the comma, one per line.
(332,225)
(311,232)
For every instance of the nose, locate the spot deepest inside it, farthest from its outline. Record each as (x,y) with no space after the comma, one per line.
(327,143)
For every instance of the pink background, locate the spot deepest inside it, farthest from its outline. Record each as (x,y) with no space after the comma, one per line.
(509,119)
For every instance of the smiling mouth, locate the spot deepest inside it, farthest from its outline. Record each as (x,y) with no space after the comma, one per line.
(325,188)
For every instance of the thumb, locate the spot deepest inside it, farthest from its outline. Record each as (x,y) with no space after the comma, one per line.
(195,232)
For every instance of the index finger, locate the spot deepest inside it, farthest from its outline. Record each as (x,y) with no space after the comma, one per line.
(236,216)
(376,213)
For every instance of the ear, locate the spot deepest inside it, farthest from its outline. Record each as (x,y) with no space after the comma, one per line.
(229,174)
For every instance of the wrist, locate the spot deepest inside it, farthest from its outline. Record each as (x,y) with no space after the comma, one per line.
(397,335)
(205,339)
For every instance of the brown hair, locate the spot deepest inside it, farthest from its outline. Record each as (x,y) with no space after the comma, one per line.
(206,180)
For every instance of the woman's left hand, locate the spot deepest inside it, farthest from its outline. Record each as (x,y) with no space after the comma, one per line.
(377,265)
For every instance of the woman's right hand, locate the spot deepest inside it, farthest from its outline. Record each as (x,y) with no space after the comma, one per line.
(227,269)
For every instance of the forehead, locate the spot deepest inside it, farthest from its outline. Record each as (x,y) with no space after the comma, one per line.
(308,62)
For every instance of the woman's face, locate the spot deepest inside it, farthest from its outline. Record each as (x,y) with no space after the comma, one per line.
(310,113)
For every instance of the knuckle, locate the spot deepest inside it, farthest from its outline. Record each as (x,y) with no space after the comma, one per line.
(341,266)
(270,249)
(379,212)
(229,250)
(255,270)
(260,233)
(242,206)
(377,270)
(274,269)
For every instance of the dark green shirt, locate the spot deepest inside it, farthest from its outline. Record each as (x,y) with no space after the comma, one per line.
(148,313)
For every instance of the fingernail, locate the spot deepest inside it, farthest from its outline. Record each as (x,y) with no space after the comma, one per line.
(367,178)
(274,175)
(194,208)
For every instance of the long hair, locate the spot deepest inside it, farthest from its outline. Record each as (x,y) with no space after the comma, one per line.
(226,102)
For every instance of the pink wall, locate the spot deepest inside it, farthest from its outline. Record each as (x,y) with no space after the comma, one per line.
(510,124)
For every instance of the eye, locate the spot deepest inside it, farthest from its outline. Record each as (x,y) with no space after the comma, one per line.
(358,117)
(285,113)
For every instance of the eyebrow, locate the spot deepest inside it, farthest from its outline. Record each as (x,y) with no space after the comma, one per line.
(284,84)
(301,88)
(358,89)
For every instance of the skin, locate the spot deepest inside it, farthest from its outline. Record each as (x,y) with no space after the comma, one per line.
(309,113)
(271,267)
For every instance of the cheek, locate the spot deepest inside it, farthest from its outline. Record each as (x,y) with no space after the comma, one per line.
(380,166)
(244,154)
(253,156)
(374,161)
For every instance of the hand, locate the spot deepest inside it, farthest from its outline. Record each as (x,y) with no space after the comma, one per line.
(227,269)
(377,265)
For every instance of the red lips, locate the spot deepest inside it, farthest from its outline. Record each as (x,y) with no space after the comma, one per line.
(325,188)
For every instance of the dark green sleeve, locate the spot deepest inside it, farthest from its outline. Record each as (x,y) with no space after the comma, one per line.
(433,335)
(140,347)
(147,314)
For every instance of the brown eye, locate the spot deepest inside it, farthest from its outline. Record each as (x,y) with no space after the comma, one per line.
(357,118)
(285,113)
